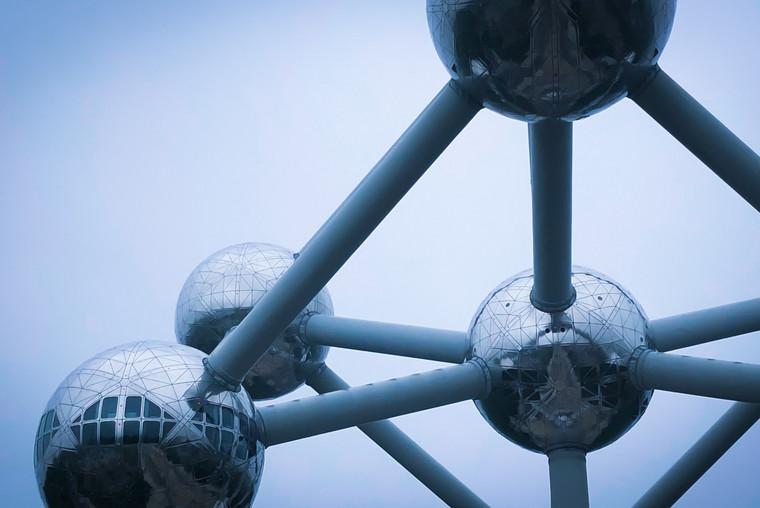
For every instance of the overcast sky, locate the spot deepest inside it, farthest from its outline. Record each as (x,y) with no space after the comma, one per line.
(138,138)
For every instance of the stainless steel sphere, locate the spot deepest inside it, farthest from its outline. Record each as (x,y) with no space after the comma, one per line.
(560,379)
(219,294)
(532,59)
(118,432)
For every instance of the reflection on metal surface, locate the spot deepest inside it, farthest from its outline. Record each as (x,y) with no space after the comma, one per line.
(219,294)
(548,58)
(562,378)
(117,432)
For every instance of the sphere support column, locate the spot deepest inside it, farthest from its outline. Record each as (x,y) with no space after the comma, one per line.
(405,451)
(354,220)
(567,478)
(701,457)
(297,419)
(551,177)
(702,134)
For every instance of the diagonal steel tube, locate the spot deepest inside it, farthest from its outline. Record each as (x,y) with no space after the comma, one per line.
(406,161)
(702,134)
(696,376)
(400,340)
(551,178)
(706,325)
(297,419)
(568,480)
(405,451)
(701,456)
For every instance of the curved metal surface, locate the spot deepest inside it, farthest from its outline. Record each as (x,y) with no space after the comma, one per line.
(118,433)
(548,58)
(221,291)
(561,379)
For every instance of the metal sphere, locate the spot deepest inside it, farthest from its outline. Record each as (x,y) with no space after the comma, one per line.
(560,379)
(548,58)
(119,432)
(219,294)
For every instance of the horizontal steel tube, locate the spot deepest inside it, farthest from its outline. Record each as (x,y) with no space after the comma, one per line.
(551,179)
(706,325)
(697,376)
(568,480)
(702,134)
(297,419)
(405,451)
(701,457)
(343,233)
(400,340)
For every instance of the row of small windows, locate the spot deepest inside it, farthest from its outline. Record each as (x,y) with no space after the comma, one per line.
(89,431)
(47,428)
(145,422)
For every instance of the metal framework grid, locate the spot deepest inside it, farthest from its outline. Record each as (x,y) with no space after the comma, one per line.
(647,366)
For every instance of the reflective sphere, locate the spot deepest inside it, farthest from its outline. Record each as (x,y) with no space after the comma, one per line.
(532,59)
(118,432)
(219,294)
(560,379)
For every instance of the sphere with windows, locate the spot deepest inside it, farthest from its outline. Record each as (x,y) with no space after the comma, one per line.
(121,431)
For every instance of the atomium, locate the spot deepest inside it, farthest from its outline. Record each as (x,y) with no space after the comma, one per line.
(559,360)
(221,291)
(563,378)
(119,432)
(549,58)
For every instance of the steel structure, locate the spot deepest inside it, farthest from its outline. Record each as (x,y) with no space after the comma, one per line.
(561,360)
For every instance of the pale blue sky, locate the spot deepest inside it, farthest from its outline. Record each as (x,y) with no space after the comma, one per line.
(136,139)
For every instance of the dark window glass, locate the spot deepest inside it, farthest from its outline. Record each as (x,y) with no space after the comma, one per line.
(79,417)
(228,418)
(168,426)
(48,420)
(92,412)
(56,421)
(212,434)
(198,417)
(242,449)
(253,432)
(212,414)
(108,408)
(151,410)
(41,425)
(108,432)
(131,432)
(167,416)
(45,442)
(227,439)
(132,407)
(150,432)
(90,434)
(75,431)
(199,427)
(244,425)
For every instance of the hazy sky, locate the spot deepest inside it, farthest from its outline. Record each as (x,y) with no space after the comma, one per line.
(138,138)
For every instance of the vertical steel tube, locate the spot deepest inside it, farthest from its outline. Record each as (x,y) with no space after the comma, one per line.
(706,325)
(702,134)
(551,175)
(297,419)
(567,478)
(696,376)
(405,451)
(701,457)
(344,232)
(401,340)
